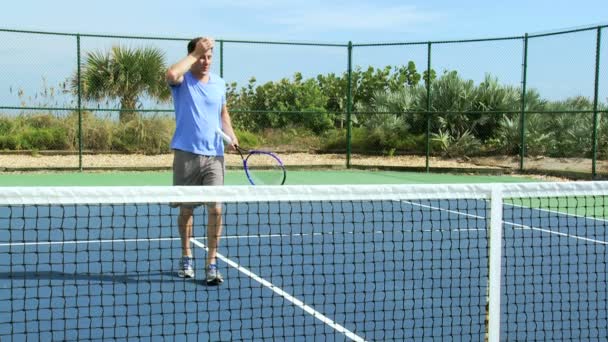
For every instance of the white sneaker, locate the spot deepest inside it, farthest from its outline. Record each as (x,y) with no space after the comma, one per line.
(186,269)
(214,277)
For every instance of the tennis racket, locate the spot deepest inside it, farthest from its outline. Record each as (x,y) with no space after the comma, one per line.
(261,167)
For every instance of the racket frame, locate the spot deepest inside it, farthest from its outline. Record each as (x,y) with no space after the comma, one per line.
(245,154)
(250,153)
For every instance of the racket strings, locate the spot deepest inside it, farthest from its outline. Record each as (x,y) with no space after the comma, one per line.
(265,169)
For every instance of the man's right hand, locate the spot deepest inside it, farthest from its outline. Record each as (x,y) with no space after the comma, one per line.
(202,46)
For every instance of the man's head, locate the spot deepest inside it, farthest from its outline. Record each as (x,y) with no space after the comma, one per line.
(203,46)
(194,41)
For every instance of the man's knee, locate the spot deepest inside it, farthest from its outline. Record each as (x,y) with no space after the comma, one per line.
(215,210)
(185,211)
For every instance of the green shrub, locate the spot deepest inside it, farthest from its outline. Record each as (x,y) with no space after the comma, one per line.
(53,138)
(9,142)
(334,140)
(98,135)
(248,139)
(364,140)
(144,135)
(41,121)
(455,146)
(6,125)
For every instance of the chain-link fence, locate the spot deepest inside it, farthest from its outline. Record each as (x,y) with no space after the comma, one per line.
(530,103)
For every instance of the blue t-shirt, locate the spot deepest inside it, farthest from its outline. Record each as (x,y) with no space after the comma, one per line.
(198,112)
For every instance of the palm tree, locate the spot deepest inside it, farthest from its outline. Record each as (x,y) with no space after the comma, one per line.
(126,74)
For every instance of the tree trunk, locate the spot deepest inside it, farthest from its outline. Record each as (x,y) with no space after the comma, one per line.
(127,110)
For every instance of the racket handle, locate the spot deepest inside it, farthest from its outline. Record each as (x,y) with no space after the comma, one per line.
(224,136)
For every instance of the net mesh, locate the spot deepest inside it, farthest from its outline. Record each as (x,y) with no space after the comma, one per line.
(332,262)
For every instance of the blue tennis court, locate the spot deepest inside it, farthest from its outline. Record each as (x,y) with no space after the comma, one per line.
(331,270)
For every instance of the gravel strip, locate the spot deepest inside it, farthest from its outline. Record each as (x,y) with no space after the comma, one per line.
(165,160)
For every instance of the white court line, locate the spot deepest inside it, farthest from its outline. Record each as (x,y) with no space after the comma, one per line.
(261,236)
(512,223)
(77,242)
(560,213)
(258,236)
(227,237)
(286,295)
(601,242)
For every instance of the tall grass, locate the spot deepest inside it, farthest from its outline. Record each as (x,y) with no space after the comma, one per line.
(150,134)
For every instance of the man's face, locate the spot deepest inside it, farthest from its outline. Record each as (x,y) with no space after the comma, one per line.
(203,64)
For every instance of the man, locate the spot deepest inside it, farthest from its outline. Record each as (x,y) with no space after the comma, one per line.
(199,97)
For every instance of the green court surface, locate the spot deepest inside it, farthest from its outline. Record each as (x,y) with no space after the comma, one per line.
(237,177)
(583,206)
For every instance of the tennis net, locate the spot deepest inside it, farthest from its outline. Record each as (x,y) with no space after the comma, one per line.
(370,262)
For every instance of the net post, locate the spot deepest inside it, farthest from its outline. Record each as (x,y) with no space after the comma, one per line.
(221,58)
(494,264)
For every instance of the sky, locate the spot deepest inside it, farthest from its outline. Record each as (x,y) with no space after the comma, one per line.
(316,21)
(305,20)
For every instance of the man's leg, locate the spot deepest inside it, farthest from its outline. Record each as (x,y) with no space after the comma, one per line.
(214,232)
(183,175)
(184,222)
(214,176)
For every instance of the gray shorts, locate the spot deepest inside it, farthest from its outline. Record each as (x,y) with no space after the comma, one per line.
(195,169)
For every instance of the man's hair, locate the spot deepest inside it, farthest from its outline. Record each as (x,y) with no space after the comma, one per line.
(192,43)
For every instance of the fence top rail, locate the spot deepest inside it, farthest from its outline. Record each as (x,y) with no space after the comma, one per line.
(92,35)
(574,30)
(441,41)
(72,34)
(281,43)
(534,35)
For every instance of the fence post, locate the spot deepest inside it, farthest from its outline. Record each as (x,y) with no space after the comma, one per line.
(428,109)
(595,95)
(349,103)
(80,143)
(221,58)
(522,119)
